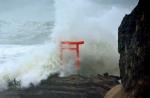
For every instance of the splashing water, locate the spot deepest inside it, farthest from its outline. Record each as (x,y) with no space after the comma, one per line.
(95,23)
(30,64)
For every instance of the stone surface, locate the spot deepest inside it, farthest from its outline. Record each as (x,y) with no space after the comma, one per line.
(74,86)
(116,92)
(134,49)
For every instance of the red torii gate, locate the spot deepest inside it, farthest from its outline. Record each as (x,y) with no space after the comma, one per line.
(76,48)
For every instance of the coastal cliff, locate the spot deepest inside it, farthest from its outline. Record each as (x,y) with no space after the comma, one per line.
(134,49)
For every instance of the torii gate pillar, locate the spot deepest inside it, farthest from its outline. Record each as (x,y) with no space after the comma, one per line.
(70,47)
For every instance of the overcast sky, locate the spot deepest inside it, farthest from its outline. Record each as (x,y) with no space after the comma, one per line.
(123,3)
(18,10)
(25,10)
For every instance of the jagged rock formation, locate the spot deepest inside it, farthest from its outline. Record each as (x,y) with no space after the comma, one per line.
(74,86)
(134,49)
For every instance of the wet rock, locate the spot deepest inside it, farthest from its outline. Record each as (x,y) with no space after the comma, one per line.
(116,92)
(74,86)
(134,49)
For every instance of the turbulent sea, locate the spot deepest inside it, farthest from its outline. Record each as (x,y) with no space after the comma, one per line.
(30,33)
(25,51)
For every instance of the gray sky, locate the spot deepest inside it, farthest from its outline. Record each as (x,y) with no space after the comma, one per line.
(123,3)
(25,10)
(42,9)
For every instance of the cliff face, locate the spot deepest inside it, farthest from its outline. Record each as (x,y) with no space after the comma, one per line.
(134,49)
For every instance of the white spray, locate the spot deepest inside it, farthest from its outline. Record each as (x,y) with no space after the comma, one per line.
(74,20)
(97,25)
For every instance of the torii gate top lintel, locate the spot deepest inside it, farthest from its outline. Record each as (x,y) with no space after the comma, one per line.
(72,42)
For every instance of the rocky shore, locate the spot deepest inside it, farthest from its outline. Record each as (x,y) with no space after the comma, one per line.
(74,86)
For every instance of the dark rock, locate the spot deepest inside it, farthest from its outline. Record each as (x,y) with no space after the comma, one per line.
(74,86)
(134,49)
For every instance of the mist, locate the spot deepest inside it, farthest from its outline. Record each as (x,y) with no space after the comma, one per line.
(96,23)
(30,33)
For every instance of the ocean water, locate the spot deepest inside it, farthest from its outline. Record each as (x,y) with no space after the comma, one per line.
(30,33)
(25,32)
(28,63)
(26,52)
